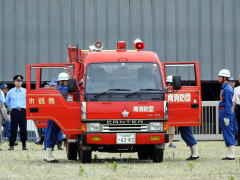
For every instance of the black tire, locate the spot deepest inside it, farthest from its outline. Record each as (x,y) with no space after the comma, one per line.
(157,155)
(71,151)
(85,156)
(143,155)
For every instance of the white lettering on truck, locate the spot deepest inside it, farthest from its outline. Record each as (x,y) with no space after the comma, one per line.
(186,97)
(143,108)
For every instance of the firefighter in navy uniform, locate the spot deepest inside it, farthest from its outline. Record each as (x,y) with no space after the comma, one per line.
(226,116)
(186,133)
(16,102)
(51,84)
(53,130)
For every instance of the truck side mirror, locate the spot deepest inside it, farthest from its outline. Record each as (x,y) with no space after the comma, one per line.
(72,87)
(177,82)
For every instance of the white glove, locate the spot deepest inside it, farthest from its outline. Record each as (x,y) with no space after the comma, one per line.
(226,121)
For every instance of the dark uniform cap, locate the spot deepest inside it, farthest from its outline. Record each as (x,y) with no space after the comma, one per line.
(3,86)
(18,78)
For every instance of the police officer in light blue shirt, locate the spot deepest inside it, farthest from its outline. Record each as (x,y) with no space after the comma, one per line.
(16,102)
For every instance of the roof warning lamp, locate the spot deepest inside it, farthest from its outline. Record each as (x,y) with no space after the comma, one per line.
(121,46)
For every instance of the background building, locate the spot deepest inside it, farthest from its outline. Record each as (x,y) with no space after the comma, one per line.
(35,31)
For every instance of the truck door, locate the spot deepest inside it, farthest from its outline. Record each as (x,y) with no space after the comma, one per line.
(184,106)
(45,102)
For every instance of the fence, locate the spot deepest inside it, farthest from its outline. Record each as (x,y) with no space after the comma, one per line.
(31,132)
(209,130)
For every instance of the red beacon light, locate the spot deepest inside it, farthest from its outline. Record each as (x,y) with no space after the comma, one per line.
(139,45)
(121,46)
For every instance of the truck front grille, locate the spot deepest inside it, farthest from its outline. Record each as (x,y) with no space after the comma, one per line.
(124,127)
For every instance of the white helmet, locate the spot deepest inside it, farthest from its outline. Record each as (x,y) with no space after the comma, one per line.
(224,73)
(169,79)
(63,76)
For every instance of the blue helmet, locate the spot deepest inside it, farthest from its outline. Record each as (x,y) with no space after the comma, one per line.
(52,83)
(3,86)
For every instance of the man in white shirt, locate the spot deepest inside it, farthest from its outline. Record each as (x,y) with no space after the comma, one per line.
(235,121)
(236,108)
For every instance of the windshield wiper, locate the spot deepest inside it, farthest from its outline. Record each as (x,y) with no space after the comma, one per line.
(111,90)
(142,90)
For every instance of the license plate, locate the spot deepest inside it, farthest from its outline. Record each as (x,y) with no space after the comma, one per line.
(126,138)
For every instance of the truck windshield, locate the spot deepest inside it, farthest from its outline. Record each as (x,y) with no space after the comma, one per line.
(125,76)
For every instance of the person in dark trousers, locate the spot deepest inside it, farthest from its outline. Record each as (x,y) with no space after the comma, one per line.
(42,131)
(16,102)
(186,132)
(53,130)
(226,115)
(51,84)
(236,109)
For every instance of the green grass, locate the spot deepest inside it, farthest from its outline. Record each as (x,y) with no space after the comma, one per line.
(20,164)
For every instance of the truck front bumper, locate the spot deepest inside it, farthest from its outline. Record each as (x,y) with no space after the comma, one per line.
(110,139)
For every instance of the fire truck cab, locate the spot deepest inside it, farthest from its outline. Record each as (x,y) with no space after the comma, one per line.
(117,100)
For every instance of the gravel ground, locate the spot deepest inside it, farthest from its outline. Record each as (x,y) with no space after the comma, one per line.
(29,164)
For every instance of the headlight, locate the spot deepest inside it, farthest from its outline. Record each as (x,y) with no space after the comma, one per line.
(93,127)
(155,126)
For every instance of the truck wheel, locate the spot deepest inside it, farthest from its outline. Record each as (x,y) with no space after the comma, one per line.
(143,155)
(157,155)
(85,156)
(71,151)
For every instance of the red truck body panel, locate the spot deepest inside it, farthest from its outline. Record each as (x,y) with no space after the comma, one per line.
(48,104)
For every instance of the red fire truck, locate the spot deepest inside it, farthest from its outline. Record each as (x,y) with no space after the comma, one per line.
(117,100)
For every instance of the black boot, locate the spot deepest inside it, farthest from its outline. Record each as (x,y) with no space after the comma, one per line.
(40,142)
(59,145)
(11,146)
(24,147)
(14,144)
